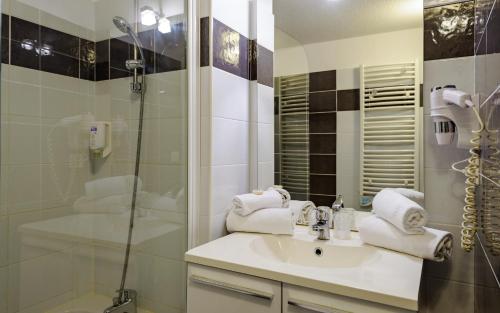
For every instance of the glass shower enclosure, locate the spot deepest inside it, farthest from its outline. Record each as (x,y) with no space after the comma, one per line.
(89,148)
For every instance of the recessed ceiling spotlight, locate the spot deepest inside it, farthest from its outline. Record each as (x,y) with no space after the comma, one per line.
(164,25)
(148,16)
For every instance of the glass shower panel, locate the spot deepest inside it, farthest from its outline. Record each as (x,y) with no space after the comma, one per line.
(69,138)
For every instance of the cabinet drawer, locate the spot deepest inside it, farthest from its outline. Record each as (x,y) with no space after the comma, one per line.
(212,290)
(303,300)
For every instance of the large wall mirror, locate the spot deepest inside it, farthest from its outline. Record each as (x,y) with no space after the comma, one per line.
(347,79)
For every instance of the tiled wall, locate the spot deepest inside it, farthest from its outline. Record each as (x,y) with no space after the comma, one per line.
(45,164)
(487,79)
(333,137)
(236,106)
(448,54)
(38,47)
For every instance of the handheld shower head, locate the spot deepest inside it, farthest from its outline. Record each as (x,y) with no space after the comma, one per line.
(122,24)
(125,27)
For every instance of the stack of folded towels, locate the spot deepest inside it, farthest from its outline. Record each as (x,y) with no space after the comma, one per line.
(399,223)
(271,212)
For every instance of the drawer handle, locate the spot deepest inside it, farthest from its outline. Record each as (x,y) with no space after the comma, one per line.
(314,307)
(226,286)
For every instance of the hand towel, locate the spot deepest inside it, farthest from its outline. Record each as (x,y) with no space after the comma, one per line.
(111,186)
(403,213)
(285,195)
(276,221)
(411,194)
(433,244)
(301,211)
(248,203)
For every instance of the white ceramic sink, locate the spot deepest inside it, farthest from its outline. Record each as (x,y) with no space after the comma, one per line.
(345,267)
(313,253)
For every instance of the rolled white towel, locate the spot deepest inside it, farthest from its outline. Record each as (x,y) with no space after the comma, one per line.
(276,221)
(402,212)
(248,203)
(110,186)
(411,194)
(285,195)
(433,244)
(301,211)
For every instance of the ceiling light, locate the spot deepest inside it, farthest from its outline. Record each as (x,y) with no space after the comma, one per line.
(148,16)
(164,25)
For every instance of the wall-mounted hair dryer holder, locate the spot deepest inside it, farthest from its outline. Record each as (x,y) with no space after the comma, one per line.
(453,117)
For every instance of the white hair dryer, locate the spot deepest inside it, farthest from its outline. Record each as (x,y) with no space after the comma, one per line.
(451,115)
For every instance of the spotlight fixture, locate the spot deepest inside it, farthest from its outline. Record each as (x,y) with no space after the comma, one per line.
(164,26)
(148,16)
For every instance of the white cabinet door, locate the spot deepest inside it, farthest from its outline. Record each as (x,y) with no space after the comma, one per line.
(303,300)
(212,290)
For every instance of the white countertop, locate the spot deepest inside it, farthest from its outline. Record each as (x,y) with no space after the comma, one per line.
(362,272)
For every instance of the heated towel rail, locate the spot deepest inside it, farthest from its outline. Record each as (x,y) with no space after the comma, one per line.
(390,127)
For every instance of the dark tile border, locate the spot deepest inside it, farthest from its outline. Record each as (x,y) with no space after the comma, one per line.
(265,62)
(37,47)
(204,41)
(444,43)
(348,100)
(323,81)
(230,50)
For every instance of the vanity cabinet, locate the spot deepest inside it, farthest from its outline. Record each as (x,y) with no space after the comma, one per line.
(304,300)
(212,290)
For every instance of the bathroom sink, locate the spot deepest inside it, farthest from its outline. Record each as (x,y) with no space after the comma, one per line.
(344,267)
(314,254)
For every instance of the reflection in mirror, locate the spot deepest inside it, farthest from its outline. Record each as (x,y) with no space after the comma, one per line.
(347,98)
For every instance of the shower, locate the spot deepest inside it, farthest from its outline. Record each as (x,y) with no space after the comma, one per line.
(133,65)
(126,301)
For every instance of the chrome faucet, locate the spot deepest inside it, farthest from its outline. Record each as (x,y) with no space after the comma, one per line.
(336,206)
(126,304)
(323,221)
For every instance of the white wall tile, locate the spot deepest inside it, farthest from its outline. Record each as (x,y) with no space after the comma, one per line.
(265,100)
(218,226)
(227,181)
(348,122)
(457,71)
(233,13)
(265,142)
(265,23)
(266,175)
(444,196)
(348,78)
(229,141)
(231,96)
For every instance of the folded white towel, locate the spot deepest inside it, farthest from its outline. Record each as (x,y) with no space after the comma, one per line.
(433,244)
(248,203)
(402,212)
(302,211)
(411,194)
(285,195)
(276,221)
(110,186)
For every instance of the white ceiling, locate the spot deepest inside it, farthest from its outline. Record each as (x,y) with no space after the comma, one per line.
(310,21)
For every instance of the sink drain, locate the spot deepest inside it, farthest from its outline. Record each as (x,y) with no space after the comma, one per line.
(318,251)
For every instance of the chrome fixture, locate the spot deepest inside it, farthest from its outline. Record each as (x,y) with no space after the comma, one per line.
(336,206)
(136,86)
(323,221)
(126,301)
(126,304)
